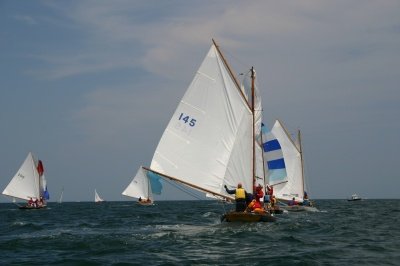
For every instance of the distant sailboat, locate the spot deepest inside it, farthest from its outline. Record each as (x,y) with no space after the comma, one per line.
(97,198)
(141,188)
(29,184)
(286,172)
(61,196)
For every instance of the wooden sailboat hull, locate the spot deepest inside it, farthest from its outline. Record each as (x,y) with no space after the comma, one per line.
(247,217)
(146,203)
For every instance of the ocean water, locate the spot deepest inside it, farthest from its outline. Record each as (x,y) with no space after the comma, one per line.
(190,233)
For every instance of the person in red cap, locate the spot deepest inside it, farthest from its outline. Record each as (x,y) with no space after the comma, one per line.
(240,197)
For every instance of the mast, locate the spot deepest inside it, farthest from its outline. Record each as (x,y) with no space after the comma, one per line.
(252,110)
(301,158)
(148,187)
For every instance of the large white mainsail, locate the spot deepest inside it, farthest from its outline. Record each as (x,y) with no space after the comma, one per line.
(139,187)
(294,185)
(209,140)
(25,183)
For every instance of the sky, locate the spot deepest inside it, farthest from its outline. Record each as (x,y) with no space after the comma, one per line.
(89,86)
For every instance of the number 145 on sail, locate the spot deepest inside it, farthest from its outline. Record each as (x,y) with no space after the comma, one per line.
(187,119)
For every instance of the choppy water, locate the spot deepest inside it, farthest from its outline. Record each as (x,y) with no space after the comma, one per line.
(190,233)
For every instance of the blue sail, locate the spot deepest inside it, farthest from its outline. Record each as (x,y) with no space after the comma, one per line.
(274,156)
(156,186)
(46,194)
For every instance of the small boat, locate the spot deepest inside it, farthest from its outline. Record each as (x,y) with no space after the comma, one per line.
(354,197)
(29,184)
(97,198)
(141,187)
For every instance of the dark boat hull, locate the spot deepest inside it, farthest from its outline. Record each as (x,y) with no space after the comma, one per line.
(247,217)
(31,207)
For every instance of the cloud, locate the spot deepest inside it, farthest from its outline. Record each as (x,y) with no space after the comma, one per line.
(26,19)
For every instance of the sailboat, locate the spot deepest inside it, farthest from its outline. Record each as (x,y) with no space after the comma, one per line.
(97,198)
(61,196)
(213,138)
(286,174)
(29,183)
(141,188)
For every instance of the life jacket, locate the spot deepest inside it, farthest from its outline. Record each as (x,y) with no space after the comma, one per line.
(240,193)
(259,194)
(257,205)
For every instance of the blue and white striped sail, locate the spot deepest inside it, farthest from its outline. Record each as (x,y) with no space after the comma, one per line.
(284,164)
(274,157)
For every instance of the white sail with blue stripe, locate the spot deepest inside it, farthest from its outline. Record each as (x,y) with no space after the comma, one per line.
(274,158)
(285,166)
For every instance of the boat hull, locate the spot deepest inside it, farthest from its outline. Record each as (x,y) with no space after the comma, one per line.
(354,199)
(247,217)
(299,208)
(146,203)
(31,207)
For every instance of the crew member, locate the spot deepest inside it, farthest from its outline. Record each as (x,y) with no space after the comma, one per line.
(240,197)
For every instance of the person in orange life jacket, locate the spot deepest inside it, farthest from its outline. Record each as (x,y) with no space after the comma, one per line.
(259,193)
(255,206)
(240,197)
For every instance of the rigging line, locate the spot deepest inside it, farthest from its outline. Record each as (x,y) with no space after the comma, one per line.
(234,58)
(172,183)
